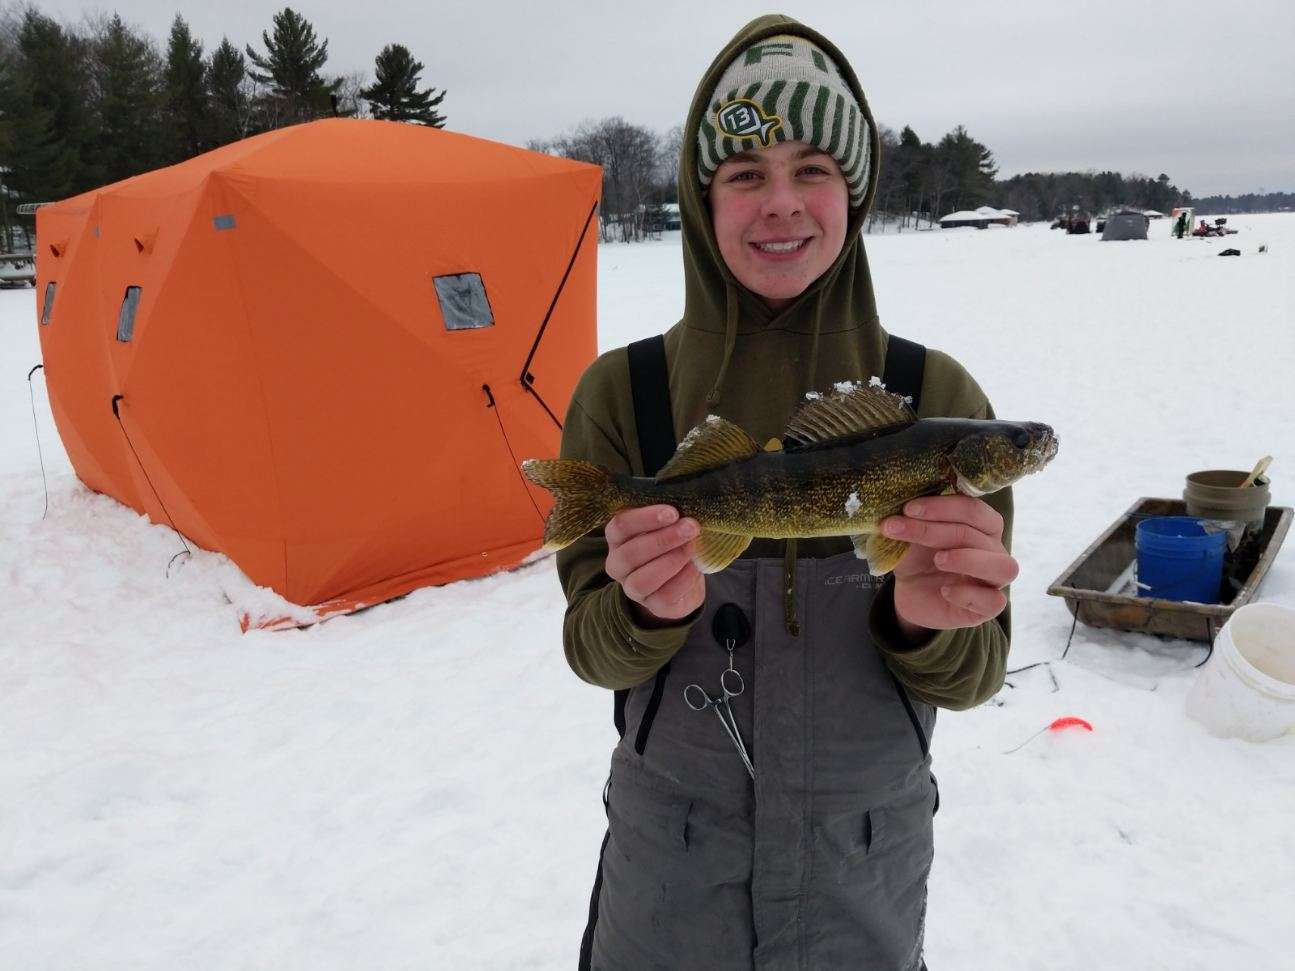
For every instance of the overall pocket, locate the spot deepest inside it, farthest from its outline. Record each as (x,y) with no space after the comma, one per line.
(653,705)
(923,742)
(676,879)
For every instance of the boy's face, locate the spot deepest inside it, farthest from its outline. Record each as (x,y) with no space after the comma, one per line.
(780,216)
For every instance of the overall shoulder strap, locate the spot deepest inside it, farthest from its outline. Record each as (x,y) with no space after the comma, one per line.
(650,388)
(905,364)
(654,423)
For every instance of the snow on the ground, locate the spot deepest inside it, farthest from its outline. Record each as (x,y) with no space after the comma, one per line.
(418,786)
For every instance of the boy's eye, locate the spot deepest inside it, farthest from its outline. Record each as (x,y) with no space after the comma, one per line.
(743,176)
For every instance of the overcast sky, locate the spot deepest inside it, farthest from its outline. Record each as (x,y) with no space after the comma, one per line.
(1201,89)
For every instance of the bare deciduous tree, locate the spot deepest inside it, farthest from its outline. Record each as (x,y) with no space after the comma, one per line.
(630,159)
(350,103)
(671,150)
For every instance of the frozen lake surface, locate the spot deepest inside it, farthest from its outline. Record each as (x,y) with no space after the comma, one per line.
(418,786)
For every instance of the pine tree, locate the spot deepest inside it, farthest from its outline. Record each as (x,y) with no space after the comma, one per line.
(230,110)
(51,71)
(28,150)
(911,156)
(188,112)
(128,73)
(7,106)
(970,166)
(394,95)
(290,67)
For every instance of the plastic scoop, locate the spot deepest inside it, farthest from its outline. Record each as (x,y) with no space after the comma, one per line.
(1260,468)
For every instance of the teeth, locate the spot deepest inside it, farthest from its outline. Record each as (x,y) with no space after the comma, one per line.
(780,247)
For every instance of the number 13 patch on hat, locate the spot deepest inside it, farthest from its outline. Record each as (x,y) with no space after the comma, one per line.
(746,119)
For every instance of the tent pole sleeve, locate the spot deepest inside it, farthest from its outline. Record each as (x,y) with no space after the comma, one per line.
(526,377)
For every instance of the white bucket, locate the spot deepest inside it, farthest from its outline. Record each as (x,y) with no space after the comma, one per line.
(1247,690)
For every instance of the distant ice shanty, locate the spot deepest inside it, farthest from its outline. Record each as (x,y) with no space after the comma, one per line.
(981,218)
(1126,224)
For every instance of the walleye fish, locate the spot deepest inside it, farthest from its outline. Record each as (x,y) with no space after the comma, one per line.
(849,459)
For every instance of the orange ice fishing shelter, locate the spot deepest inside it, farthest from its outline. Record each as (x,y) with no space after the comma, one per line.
(324,351)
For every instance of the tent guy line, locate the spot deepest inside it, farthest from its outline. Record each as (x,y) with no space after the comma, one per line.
(116,411)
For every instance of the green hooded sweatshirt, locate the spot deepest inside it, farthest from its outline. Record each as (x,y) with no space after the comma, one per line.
(733,356)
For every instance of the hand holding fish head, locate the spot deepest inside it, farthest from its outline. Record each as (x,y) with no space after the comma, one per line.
(956,566)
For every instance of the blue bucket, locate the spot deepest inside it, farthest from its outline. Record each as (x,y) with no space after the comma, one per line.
(1179,560)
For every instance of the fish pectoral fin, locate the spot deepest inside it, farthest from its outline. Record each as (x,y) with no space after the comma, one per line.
(882,553)
(712,550)
(713,443)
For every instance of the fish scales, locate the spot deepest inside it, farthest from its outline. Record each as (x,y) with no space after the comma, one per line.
(786,495)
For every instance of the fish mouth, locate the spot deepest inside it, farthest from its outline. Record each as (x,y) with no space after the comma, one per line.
(1044,449)
(1041,450)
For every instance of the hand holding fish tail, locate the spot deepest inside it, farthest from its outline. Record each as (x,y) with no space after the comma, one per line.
(649,553)
(956,566)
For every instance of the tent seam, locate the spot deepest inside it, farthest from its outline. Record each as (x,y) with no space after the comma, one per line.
(224,185)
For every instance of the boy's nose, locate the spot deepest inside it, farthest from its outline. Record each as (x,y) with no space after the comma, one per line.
(782,199)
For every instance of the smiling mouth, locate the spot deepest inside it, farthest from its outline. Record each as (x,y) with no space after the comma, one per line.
(781,247)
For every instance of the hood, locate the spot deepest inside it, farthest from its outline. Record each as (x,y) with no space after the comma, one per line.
(714,300)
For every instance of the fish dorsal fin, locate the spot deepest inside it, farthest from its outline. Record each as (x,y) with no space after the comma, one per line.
(713,443)
(849,412)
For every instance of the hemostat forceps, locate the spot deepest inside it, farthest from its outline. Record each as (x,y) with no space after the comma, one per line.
(731,685)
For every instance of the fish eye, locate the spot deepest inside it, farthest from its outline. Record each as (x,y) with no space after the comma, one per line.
(1021,438)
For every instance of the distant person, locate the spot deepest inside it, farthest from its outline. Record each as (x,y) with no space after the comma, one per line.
(818,859)
(1180,227)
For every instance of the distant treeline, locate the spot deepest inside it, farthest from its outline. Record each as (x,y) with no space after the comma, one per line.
(1250,202)
(640,171)
(932,179)
(84,105)
(918,180)
(87,104)
(958,172)
(1042,195)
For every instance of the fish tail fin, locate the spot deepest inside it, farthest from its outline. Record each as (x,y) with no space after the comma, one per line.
(584,494)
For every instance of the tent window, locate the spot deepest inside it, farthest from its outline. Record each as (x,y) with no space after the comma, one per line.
(48,307)
(126,319)
(463,301)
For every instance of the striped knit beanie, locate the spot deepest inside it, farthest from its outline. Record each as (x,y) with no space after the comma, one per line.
(785,88)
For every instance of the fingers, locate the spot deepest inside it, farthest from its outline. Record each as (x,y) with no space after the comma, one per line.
(948,522)
(963,540)
(649,552)
(939,535)
(630,522)
(625,557)
(978,600)
(994,568)
(649,578)
(976,513)
(679,596)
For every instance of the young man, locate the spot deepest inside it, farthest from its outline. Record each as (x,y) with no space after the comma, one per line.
(819,858)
